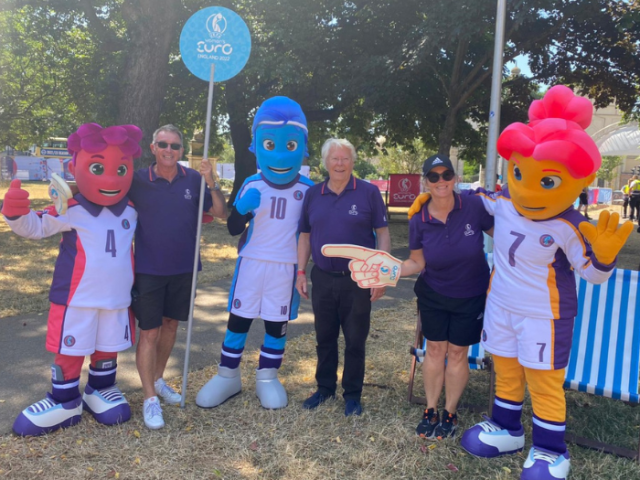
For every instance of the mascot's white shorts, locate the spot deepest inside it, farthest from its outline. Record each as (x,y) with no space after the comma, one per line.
(81,331)
(264,289)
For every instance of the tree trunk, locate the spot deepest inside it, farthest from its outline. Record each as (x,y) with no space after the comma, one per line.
(245,161)
(445,139)
(151,28)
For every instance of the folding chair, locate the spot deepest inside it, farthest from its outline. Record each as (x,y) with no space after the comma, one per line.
(477,361)
(605,357)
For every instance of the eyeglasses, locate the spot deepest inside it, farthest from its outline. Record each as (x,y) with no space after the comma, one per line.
(434,177)
(174,146)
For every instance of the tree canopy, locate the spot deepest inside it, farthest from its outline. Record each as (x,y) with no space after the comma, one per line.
(412,71)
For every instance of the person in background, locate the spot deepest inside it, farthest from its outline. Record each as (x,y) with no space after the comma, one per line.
(625,198)
(634,199)
(341,209)
(447,249)
(584,202)
(166,196)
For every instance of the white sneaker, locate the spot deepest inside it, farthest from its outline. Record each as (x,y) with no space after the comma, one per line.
(152,412)
(168,394)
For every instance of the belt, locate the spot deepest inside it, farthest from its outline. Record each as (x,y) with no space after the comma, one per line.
(336,274)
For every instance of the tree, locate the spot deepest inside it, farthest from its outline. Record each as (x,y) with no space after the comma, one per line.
(608,168)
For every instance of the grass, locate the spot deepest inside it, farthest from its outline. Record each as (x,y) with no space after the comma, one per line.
(240,440)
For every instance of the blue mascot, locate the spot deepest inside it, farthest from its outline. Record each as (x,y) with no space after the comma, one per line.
(264,280)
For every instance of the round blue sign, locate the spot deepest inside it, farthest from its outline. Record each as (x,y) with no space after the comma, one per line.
(215,35)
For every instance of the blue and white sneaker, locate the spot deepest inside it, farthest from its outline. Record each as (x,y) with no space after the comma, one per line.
(542,464)
(48,415)
(107,405)
(488,439)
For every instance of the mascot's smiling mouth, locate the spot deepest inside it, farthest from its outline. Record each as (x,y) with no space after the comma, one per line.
(280,170)
(532,209)
(110,193)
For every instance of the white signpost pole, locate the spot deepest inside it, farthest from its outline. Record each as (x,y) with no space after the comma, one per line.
(213,36)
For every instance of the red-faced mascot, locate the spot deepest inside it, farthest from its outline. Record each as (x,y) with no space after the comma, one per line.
(91,288)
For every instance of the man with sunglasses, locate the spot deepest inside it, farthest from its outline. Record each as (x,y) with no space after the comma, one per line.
(447,249)
(166,196)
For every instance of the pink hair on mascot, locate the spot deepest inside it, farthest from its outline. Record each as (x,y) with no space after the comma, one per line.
(555,132)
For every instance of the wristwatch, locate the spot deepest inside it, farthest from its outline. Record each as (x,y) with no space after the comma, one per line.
(215,187)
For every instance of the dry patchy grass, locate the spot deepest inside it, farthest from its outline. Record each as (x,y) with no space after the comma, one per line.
(240,440)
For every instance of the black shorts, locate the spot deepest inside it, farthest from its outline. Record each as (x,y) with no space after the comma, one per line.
(584,199)
(447,319)
(157,296)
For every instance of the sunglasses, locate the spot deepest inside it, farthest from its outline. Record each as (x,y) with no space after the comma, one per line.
(174,146)
(434,177)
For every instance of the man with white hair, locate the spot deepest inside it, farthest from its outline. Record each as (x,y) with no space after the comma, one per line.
(340,210)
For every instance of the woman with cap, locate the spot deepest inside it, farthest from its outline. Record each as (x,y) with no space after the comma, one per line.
(447,249)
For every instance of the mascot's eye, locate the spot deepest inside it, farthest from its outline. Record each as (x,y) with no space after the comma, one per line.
(269,145)
(291,145)
(550,182)
(96,168)
(122,170)
(517,173)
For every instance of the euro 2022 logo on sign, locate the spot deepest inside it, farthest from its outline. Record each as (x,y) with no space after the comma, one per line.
(404,194)
(215,35)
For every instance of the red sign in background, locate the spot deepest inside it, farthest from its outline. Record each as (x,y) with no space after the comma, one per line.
(403,189)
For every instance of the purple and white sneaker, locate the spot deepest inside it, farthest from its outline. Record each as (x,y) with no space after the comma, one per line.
(107,405)
(48,415)
(488,440)
(542,464)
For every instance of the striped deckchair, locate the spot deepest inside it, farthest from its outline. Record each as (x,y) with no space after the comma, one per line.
(605,357)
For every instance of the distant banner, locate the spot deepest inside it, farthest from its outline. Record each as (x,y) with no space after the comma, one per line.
(403,189)
(383,185)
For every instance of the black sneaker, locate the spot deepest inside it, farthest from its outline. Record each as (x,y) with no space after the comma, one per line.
(448,425)
(430,420)
(315,400)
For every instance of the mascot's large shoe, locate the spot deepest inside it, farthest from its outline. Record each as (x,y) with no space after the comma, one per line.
(488,439)
(269,390)
(107,405)
(544,464)
(47,416)
(219,389)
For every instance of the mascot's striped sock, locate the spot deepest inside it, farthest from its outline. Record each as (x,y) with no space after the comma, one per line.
(507,413)
(102,372)
(272,349)
(65,378)
(548,434)
(234,341)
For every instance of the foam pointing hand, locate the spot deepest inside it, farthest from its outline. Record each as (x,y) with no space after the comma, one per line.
(369,268)
(249,201)
(418,203)
(16,201)
(606,238)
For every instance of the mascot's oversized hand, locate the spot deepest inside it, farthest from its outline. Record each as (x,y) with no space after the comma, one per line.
(249,201)
(369,268)
(606,238)
(16,201)
(418,203)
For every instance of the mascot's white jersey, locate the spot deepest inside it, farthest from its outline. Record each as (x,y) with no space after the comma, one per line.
(95,266)
(272,234)
(533,261)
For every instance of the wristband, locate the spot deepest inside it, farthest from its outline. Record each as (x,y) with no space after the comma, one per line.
(302,272)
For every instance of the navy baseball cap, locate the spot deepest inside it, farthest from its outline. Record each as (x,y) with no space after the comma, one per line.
(436,161)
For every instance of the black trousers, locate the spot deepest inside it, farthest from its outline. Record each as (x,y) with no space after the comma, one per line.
(634,204)
(339,302)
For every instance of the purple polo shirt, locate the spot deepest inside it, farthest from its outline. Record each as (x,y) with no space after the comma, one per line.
(167,220)
(453,251)
(350,217)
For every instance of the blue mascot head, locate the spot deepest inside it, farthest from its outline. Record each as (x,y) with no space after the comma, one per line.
(279,139)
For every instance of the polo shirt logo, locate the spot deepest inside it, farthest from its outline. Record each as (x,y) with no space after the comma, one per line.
(468,231)
(187,194)
(354,210)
